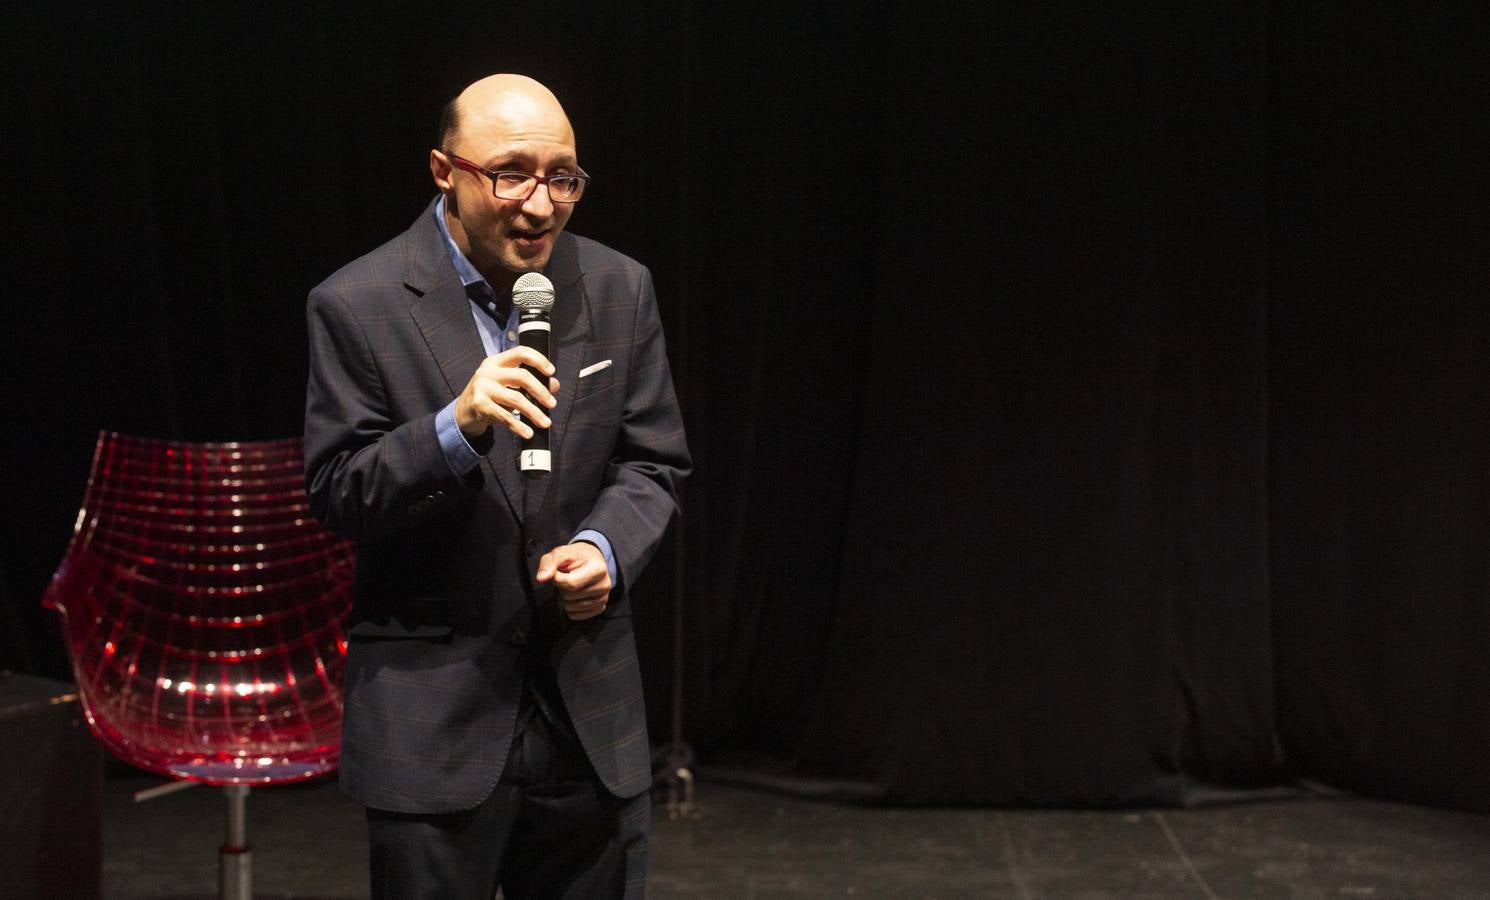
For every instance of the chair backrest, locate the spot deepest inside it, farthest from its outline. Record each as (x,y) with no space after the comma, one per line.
(203,609)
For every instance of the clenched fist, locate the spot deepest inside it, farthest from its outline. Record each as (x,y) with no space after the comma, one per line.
(579,572)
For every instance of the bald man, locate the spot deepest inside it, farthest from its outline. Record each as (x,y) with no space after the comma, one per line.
(494,726)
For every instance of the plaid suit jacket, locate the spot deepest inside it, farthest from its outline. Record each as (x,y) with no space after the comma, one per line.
(446,603)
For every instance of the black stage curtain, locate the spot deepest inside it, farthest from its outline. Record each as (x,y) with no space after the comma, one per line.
(1088,400)
(1380,337)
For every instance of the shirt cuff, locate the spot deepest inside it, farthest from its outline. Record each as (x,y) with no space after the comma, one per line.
(459,453)
(591,536)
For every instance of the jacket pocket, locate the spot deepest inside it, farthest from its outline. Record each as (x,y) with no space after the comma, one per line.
(424,618)
(595,384)
(393,631)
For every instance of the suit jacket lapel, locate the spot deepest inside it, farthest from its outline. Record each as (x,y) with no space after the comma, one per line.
(570,321)
(443,314)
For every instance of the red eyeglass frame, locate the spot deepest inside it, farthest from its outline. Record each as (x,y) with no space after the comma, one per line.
(461,162)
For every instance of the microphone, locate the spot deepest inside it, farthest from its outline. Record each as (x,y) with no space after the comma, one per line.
(533,295)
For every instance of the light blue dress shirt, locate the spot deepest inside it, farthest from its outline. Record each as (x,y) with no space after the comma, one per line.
(458,451)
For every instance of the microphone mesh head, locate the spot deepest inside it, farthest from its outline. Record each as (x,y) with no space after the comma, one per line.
(533,291)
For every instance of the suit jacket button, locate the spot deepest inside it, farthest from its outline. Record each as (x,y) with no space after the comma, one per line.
(517,638)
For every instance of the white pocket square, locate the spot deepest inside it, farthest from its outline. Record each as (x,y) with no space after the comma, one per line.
(587,371)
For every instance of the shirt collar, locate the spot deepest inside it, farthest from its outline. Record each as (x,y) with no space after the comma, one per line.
(478,289)
(463,268)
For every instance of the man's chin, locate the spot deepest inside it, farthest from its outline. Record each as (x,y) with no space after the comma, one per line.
(524,264)
(529,257)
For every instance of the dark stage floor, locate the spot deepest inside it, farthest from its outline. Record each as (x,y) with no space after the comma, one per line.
(309,843)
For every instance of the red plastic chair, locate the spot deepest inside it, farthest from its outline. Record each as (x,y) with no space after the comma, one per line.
(203,609)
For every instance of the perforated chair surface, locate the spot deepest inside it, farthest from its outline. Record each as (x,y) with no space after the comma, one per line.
(204,610)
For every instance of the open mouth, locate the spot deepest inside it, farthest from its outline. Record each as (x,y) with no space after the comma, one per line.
(528,237)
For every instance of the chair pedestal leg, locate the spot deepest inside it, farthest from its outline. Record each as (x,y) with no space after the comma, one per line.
(235,871)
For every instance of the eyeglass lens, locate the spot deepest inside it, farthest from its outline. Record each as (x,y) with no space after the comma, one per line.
(516,186)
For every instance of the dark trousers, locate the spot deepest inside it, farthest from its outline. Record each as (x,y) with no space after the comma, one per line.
(548,829)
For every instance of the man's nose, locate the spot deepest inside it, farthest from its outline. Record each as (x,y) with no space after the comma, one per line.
(539,204)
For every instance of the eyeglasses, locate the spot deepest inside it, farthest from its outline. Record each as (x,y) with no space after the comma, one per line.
(565,188)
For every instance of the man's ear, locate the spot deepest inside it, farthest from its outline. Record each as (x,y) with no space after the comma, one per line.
(439,170)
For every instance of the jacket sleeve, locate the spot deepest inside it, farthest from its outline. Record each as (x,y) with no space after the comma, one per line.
(369,475)
(639,491)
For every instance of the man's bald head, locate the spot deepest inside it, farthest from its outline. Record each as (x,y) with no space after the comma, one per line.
(496,95)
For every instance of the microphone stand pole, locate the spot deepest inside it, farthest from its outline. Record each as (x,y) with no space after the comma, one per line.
(677,769)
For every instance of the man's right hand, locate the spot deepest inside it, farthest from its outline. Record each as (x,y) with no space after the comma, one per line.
(501,386)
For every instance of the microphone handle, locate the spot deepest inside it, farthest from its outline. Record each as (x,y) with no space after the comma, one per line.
(535,460)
